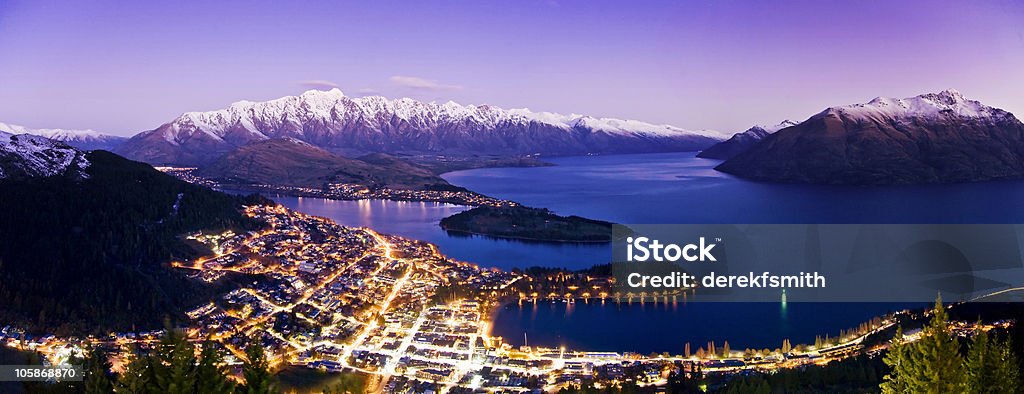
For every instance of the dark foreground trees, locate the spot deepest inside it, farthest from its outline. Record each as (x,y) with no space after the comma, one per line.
(171,367)
(934,364)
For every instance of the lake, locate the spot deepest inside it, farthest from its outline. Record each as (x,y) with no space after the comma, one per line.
(668,326)
(681,188)
(660,188)
(419,220)
(666,188)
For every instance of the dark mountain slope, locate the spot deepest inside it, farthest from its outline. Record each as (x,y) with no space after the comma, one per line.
(290,162)
(87,251)
(741,142)
(931,138)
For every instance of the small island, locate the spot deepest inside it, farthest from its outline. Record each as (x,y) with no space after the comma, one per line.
(521,222)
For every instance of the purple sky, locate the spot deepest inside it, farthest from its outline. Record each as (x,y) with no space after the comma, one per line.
(131,66)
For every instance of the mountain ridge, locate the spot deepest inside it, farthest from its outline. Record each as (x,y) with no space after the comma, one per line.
(27,156)
(291,162)
(742,141)
(87,139)
(930,138)
(374,124)
(86,248)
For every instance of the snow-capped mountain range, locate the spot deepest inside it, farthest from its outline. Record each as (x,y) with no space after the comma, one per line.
(333,121)
(82,139)
(931,138)
(27,155)
(930,106)
(742,141)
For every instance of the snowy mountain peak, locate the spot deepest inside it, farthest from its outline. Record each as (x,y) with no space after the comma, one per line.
(333,106)
(331,93)
(953,94)
(27,155)
(947,97)
(771,129)
(82,139)
(949,102)
(333,121)
(784,124)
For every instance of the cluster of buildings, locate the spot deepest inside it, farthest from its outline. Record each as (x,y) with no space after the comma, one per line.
(319,295)
(351,191)
(187,174)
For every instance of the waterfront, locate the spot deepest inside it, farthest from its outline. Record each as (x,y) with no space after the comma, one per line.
(666,326)
(419,220)
(664,188)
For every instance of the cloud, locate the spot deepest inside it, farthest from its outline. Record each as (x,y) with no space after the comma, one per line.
(422,84)
(368,91)
(321,84)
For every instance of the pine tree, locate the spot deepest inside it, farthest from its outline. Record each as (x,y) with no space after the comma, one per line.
(211,375)
(898,361)
(97,372)
(991,366)
(1008,367)
(979,364)
(173,368)
(256,371)
(935,362)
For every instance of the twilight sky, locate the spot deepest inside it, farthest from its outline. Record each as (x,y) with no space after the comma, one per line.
(125,67)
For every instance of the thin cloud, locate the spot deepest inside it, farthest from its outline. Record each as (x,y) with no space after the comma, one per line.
(321,84)
(422,84)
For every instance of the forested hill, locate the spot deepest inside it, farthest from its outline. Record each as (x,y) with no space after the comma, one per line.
(90,253)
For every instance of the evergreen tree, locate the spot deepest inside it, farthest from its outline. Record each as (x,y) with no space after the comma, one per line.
(211,376)
(935,362)
(898,361)
(1008,367)
(256,371)
(174,366)
(97,372)
(991,366)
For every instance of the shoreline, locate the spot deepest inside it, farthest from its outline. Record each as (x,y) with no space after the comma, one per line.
(538,240)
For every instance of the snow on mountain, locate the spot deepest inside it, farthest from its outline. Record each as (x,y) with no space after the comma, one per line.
(27,155)
(82,139)
(742,141)
(929,105)
(318,105)
(333,121)
(784,124)
(931,138)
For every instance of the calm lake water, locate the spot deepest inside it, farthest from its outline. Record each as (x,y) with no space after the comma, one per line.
(666,188)
(419,220)
(667,326)
(681,188)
